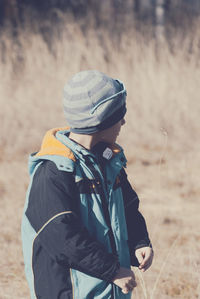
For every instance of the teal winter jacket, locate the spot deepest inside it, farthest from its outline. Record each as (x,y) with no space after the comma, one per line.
(81,220)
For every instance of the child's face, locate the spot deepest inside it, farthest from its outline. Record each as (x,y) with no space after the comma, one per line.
(110,135)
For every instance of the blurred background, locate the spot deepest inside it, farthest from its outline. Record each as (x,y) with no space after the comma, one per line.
(153,46)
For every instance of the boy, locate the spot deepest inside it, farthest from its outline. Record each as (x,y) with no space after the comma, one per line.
(81,227)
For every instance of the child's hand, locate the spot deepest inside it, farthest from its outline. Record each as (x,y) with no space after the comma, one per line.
(125,279)
(144,256)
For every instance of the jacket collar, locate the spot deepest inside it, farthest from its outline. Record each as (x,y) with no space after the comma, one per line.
(56,142)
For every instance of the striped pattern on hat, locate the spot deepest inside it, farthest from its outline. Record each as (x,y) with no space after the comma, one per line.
(93,101)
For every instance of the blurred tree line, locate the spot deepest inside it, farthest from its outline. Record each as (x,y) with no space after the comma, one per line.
(15,12)
(152,18)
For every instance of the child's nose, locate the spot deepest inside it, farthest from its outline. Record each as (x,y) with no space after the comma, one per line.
(123,121)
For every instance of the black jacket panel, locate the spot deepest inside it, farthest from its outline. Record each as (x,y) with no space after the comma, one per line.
(62,241)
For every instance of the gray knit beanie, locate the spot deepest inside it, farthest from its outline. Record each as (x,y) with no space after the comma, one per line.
(93,102)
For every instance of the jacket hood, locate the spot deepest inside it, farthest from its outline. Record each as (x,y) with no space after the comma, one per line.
(52,149)
(52,146)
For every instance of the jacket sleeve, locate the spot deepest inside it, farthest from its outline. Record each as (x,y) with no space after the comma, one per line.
(137,231)
(53,212)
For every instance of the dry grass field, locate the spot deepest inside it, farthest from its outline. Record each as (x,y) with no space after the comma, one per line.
(160,138)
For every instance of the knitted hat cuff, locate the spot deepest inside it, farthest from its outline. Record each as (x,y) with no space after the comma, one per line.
(107,123)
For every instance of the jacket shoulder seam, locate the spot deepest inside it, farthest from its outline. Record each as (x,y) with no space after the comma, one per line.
(51,219)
